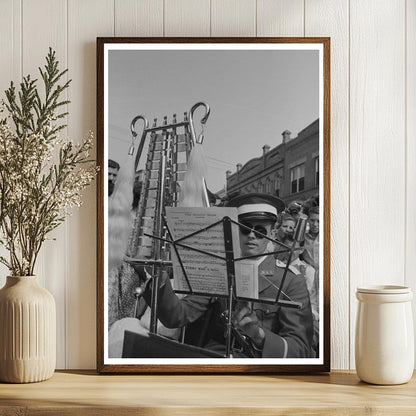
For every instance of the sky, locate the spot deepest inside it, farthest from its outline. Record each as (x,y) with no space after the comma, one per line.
(254,95)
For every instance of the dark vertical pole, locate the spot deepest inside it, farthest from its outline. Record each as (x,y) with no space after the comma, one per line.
(157,268)
(229,258)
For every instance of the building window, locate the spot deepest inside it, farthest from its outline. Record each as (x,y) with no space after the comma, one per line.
(277,183)
(268,186)
(297,178)
(317,171)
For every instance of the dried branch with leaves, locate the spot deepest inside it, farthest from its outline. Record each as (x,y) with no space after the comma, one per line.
(42,176)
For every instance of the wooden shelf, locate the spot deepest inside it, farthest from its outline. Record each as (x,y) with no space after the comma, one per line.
(85,392)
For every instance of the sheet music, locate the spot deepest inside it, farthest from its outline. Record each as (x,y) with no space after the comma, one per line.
(206,274)
(247,278)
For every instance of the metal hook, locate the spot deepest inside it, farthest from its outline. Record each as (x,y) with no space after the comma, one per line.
(204,119)
(134,135)
(133,123)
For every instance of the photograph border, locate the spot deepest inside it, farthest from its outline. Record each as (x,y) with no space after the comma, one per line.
(102,257)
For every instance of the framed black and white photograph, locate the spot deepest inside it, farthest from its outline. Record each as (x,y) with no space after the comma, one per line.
(213,205)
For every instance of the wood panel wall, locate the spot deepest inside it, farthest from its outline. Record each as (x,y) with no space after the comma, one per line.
(373,132)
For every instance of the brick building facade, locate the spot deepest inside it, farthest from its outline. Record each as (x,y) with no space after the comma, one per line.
(289,170)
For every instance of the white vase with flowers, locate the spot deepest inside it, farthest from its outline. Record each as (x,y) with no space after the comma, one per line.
(42,177)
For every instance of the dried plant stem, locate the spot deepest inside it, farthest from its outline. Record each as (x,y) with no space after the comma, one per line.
(36,194)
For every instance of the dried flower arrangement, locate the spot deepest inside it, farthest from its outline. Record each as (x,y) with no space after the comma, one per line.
(42,176)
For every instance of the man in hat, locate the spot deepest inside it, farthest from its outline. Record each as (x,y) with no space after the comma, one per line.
(271,330)
(275,331)
(294,209)
(113,168)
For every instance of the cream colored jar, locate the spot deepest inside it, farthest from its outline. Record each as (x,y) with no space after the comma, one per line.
(384,338)
(27,331)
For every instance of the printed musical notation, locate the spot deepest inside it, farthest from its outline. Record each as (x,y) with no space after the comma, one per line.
(201,251)
(247,278)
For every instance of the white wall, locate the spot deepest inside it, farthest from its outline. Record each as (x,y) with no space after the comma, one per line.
(373,132)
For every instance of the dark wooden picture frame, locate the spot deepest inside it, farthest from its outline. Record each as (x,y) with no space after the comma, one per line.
(320,364)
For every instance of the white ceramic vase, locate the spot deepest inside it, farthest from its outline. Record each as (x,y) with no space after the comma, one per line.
(384,341)
(27,331)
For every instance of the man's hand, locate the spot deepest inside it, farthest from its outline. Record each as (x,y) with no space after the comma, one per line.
(142,272)
(245,319)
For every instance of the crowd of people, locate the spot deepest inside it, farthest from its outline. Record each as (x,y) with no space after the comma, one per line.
(271,330)
(305,258)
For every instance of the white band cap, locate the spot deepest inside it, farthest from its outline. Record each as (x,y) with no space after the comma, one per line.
(248,208)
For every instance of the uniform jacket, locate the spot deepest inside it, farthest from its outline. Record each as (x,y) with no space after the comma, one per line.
(288,331)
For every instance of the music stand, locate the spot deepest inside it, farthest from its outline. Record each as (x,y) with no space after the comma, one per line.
(230,268)
(155,346)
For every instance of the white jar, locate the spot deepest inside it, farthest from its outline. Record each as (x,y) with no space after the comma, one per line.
(384,338)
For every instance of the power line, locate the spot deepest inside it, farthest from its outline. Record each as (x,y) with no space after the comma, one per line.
(120,139)
(119,128)
(215,168)
(219,160)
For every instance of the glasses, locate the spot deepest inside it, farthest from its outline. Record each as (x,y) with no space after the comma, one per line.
(258,228)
